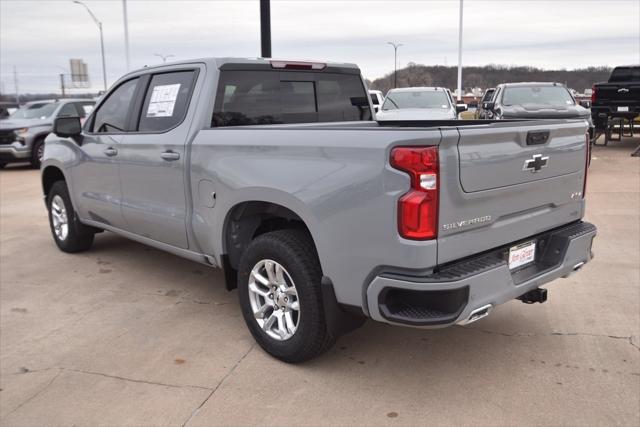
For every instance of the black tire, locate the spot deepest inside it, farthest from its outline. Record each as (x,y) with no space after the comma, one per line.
(38,146)
(294,250)
(79,236)
(2,165)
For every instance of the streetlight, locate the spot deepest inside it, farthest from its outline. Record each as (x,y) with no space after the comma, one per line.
(164,57)
(99,24)
(126,32)
(395,62)
(460,54)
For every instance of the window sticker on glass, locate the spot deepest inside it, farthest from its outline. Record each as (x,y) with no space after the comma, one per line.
(163,99)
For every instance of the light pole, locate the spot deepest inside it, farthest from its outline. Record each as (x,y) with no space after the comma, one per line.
(62,85)
(395,62)
(99,24)
(460,55)
(164,57)
(126,32)
(265,28)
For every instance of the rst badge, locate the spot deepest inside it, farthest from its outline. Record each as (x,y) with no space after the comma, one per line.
(536,163)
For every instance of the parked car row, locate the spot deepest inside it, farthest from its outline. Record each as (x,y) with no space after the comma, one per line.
(22,134)
(535,100)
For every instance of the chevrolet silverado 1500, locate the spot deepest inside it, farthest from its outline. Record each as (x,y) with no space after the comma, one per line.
(319,216)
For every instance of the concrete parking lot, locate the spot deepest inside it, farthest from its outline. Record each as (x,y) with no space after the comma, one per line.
(128,335)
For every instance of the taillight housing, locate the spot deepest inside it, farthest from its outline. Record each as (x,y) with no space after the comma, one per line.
(418,208)
(593,94)
(586,164)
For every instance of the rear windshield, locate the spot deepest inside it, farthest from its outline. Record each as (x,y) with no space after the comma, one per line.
(540,95)
(276,97)
(625,74)
(374,99)
(417,99)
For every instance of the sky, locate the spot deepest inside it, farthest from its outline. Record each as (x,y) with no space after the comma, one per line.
(38,37)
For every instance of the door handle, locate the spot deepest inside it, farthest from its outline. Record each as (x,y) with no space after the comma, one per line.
(170,156)
(110,151)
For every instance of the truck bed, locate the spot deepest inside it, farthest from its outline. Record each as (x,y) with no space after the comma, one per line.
(337,178)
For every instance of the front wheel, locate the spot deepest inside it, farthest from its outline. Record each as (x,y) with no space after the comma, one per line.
(69,234)
(37,153)
(280,297)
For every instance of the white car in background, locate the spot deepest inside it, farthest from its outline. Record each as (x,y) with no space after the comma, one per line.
(377,98)
(419,103)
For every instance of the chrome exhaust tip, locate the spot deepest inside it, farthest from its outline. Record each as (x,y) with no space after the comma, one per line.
(477,314)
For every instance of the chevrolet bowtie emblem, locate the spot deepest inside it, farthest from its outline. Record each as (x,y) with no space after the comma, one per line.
(536,163)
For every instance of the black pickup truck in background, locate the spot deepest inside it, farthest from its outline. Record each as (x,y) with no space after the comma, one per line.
(617,98)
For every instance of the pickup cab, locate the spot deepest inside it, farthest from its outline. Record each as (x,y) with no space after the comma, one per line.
(618,97)
(321,217)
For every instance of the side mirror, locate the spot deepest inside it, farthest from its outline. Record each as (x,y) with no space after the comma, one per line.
(461,108)
(585,103)
(66,127)
(488,105)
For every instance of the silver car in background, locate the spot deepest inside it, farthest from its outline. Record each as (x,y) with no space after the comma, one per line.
(418,103)
(22,134)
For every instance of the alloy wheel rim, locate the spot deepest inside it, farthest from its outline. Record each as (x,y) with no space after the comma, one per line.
(274,300)
(40,152)
(59,218)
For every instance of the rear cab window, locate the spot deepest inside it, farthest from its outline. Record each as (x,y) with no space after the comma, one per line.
(625,74)
(248,97)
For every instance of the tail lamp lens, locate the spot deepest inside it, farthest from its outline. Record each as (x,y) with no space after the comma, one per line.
(418,208)
(586,164)
(593,95)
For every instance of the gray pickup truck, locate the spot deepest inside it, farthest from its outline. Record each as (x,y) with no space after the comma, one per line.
(319,216)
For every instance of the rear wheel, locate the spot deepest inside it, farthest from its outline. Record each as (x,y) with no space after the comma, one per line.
(68,233)
(280,296)
(2,165)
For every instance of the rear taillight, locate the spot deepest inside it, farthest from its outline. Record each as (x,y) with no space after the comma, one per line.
(418,208)
(586,164)
(593,94)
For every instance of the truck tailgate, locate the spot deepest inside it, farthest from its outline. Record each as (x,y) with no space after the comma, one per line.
(618,94)
(494,158)
(497,188)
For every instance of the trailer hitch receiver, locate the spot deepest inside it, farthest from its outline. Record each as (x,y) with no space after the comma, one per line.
(533,296)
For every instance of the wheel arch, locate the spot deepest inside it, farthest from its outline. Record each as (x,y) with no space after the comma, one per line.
(51,174)
(247,220)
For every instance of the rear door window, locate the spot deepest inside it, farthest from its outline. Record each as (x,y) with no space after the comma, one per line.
(272,97)
(166,101)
